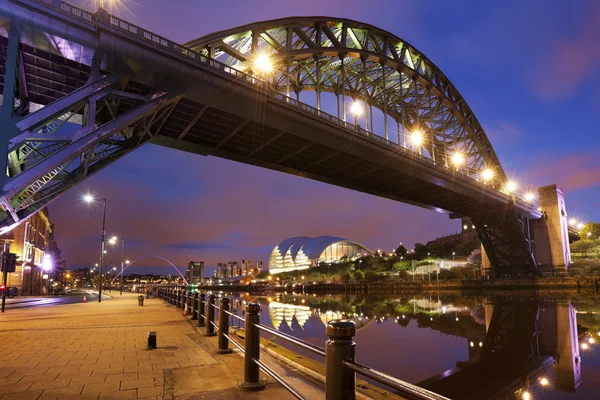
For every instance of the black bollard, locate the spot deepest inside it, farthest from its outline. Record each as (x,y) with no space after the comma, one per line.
(224,327)
(194,309)
(201,310)
(210,328)
(340,381)
(252,349)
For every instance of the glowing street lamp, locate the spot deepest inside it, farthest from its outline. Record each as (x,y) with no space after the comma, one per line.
(511,186)
(263,63)
(88,198)
(416,138)
(458,159)
(572,222)
(529,196)
(357,109)
(580,226)
(487,175)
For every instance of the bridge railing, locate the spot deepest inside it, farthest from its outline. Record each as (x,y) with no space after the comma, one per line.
(340,364)
(200,59)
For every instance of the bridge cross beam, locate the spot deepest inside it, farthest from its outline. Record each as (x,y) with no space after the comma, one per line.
(43,162)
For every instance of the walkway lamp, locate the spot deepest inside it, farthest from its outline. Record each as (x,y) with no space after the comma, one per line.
(113,240)
(88,198)
(453,254)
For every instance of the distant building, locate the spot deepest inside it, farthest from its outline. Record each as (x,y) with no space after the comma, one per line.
(465,236)
(233,269)
(195,272)
(31,241)
(251,268)
(304,252)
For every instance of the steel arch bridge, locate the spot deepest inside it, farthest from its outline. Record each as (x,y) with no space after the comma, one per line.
(122,86)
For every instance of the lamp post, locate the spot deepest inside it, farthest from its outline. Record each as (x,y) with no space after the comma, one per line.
(88,198)
(114,240)
(453,253)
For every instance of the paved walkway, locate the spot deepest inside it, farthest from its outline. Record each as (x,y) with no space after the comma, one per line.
(98,351)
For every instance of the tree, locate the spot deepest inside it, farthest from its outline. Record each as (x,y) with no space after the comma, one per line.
(475,257)
(590,231)
(359,275)
(401,251)
(420,251)
(583,246)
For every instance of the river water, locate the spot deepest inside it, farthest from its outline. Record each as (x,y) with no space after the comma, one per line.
(464,347)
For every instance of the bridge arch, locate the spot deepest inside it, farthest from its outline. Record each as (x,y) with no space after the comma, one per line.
(356,60)
(148,256)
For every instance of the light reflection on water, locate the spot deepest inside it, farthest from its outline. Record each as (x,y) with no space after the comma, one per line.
(463,347)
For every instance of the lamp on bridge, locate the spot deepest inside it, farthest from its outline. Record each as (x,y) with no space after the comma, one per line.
(416,138)
(511,186)
(529,196)
(356,109)
(487,175)
(263,64)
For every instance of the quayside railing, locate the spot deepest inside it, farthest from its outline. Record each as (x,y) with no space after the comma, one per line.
(339,352)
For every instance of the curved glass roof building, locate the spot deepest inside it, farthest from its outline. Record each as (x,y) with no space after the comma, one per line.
(304,252)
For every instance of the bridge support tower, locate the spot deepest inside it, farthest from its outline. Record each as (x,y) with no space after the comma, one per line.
(551,235)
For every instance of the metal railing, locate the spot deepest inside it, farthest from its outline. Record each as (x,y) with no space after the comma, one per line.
(340,364)
(189,55)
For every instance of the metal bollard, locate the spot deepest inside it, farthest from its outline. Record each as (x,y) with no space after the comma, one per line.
(194,305)
(340,381)
(201,308)
(210,328)
(224,327)
(252,346)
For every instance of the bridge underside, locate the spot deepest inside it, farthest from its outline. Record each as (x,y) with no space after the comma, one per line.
(204,110)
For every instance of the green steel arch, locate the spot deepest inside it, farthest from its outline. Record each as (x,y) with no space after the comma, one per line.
(356,60)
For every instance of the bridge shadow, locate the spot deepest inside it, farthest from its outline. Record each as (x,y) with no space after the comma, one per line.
(524,340)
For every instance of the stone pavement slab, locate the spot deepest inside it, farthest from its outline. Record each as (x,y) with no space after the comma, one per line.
(98,351)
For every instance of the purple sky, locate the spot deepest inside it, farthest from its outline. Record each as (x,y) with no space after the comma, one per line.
(529,70)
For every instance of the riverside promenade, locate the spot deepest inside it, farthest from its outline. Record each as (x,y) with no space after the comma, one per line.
(99,351)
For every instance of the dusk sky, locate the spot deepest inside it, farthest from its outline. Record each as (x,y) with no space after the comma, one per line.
(529,70)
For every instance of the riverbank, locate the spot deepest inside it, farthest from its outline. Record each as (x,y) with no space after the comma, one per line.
(589,285)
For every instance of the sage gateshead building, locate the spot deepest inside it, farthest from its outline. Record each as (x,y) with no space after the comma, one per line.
(300,253)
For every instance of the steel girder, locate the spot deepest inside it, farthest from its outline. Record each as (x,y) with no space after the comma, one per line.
(50,150)
(512,339)
(363,62)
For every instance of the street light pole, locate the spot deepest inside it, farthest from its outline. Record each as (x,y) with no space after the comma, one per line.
(122,261)
(102,251)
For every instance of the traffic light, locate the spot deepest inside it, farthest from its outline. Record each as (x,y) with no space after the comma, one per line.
(9,262)
(2,287)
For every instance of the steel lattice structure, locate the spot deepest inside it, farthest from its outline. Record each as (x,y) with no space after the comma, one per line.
(362,62)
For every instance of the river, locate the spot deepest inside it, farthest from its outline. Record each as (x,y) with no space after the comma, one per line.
(464,347)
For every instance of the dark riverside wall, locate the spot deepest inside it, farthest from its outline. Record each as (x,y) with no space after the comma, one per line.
(590,285)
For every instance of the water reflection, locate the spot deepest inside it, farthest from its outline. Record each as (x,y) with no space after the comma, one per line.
(485,348)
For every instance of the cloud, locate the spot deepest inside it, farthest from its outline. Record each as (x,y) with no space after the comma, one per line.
(572,172)
(197,246)
(568,62)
